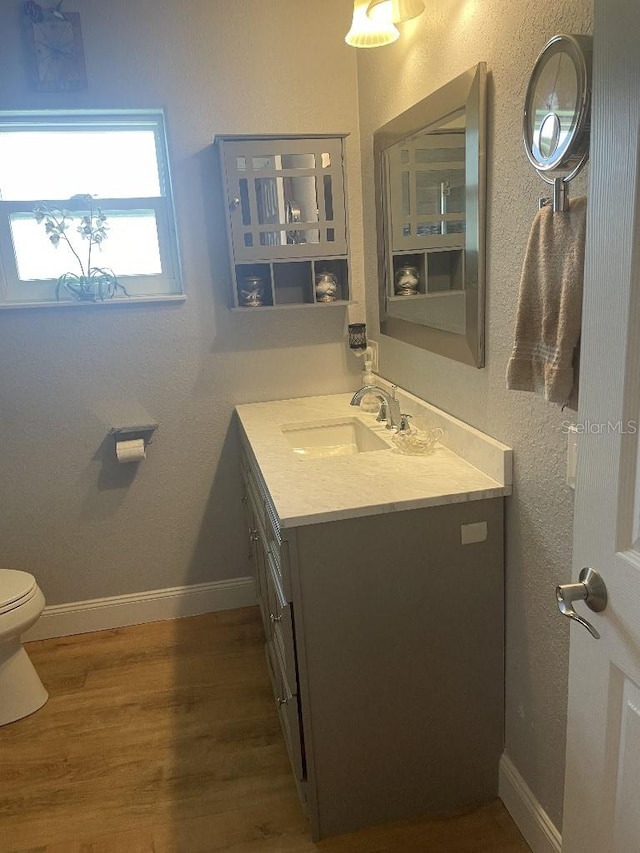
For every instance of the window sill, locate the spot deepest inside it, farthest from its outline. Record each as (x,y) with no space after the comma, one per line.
(68,303)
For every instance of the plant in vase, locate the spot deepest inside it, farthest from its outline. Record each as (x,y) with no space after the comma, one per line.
(91,284)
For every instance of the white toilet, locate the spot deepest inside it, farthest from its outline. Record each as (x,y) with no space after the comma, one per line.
(21,603)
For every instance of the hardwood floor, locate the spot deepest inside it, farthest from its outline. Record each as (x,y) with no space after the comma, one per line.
(163,738)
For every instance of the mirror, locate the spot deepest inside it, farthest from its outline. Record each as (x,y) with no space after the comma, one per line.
(430,218)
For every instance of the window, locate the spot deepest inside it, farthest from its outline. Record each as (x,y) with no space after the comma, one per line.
(54,161)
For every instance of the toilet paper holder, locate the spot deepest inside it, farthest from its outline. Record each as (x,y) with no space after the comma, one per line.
(131,433)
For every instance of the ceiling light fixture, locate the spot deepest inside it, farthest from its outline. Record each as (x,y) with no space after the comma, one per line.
(394,11)
(367,32)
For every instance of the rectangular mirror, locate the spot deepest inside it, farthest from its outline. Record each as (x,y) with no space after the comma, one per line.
(430,219)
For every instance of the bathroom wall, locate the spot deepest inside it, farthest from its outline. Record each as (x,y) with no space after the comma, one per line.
(84,526)
(449,38)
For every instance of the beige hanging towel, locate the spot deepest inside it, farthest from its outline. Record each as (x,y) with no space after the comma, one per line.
(547,340)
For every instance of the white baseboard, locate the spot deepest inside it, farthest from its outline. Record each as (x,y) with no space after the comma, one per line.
(529,816)
(98,614)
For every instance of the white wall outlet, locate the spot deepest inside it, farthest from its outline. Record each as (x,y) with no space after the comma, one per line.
(374,354)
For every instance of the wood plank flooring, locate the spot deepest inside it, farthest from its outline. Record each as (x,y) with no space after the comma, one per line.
(163,738)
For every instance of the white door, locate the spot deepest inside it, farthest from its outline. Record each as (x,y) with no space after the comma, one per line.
(602,791)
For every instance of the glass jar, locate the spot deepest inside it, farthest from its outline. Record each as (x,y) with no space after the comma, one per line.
(326,287)
(252,292)
(406,280)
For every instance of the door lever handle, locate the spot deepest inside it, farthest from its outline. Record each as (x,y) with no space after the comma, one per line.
(591,590)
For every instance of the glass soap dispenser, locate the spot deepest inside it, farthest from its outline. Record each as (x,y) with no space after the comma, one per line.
(358,346)
(370,403)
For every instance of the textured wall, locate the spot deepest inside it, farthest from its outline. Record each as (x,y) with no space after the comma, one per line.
(88,528)
(448,39)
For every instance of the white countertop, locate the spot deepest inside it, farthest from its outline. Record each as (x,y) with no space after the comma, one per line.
(309,491)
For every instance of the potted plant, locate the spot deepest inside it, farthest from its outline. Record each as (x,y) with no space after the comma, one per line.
(91,284)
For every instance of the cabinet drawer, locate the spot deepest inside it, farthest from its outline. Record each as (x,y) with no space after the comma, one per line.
(287,705)
(262,570)
(281,623)
(253,492)
(266,516)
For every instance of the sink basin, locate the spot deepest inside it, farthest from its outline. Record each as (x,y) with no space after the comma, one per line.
(337,437)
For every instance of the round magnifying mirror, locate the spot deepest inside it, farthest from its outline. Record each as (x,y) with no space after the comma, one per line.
(548,135)
(557,105)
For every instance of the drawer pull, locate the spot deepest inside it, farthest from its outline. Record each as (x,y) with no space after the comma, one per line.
(281,702)
(275,618)
(253,535)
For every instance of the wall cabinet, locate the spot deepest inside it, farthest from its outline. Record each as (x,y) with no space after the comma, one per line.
(384,642)
(287,219)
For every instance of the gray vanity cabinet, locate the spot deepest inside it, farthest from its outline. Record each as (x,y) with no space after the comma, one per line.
(385,648)
(287,219)
(270,565)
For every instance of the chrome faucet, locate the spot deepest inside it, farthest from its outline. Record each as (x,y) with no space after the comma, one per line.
(393,406)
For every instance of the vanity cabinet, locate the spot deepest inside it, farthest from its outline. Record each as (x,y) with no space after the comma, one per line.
(384,642)
(269,558)
(287,219)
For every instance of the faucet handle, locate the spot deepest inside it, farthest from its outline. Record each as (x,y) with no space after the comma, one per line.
(405,426)
(383,413)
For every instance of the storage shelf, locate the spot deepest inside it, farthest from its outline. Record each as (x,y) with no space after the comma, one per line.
(287,219)
(244,309)
(419,297)
(291,282)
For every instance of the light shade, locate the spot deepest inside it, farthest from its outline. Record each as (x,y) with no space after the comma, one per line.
(366,32)
(394,11)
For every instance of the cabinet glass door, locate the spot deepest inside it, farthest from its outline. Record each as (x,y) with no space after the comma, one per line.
(281,194)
